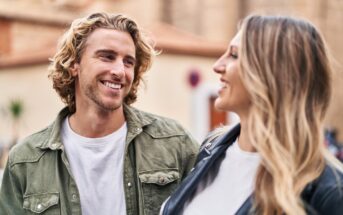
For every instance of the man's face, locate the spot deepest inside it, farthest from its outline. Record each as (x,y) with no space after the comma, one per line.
(105,73)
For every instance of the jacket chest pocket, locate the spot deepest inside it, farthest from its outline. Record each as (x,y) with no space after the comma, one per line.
(42,203)
(157,186)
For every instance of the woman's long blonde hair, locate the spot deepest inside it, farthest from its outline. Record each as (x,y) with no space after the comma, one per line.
(285,67)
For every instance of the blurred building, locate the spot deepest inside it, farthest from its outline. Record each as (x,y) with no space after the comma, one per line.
(190,33)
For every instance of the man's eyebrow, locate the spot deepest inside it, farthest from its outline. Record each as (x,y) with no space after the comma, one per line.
(131,57)
(105,51)
(109,51)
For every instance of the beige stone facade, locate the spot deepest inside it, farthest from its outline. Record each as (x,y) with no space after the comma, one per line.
(197,32)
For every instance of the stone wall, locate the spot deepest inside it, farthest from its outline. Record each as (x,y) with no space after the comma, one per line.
(217,20)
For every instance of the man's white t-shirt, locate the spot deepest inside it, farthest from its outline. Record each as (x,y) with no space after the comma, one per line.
(230,188)
(97,167)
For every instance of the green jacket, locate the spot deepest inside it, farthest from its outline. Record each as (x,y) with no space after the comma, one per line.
(38,180)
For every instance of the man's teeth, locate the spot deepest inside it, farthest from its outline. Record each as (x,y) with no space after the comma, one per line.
(112,85)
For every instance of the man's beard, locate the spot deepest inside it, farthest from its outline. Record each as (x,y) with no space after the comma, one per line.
(93,94)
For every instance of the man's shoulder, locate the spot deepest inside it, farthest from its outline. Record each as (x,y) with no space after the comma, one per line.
(160,124)
(28,150)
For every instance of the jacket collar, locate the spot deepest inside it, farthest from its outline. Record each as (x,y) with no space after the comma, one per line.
(135,120)
(53,141)
(218,139)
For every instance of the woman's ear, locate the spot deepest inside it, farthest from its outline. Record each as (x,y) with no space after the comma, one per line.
(74,69)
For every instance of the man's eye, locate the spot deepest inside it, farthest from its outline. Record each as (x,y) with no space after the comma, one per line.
(107,57)
(129,63)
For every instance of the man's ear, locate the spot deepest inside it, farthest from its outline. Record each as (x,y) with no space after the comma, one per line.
(74,69)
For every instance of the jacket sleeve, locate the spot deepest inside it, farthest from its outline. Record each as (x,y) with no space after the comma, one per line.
(190,152)
(11,199)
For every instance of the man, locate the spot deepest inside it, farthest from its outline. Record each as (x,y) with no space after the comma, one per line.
(100,156)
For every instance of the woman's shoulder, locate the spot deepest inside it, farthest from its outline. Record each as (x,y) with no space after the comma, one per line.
(330,180)
(325,194)
(218,132)
(331,175)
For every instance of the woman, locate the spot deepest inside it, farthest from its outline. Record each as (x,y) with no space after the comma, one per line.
(276,76)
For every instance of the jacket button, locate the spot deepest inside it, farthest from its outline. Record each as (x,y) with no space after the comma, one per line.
(26,203)
(129,184)
(162,180)
(39,207)
(53,146)
(74,196)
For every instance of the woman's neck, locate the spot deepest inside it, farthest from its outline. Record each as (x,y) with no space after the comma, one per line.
(243,139)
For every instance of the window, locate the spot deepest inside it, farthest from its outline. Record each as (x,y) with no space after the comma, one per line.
(5,37)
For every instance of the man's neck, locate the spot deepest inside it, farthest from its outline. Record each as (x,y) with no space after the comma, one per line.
(96,123)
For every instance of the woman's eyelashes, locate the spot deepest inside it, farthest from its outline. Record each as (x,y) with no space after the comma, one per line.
(233,55)
(233,52)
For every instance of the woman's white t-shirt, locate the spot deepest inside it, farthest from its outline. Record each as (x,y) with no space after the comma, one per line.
(230,188)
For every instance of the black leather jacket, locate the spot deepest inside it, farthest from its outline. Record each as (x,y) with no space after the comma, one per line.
(322,196)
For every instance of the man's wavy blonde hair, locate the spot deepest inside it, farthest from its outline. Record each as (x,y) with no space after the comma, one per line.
(285,67)
(72,45)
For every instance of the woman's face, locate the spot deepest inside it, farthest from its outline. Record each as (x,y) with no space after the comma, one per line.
(232,95)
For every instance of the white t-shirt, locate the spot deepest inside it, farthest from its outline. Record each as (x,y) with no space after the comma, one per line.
(230,188)
(97,167)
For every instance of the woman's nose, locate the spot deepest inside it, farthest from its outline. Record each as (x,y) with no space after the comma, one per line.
(220,65)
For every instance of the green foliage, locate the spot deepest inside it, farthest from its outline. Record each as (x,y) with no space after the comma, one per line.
(16,109)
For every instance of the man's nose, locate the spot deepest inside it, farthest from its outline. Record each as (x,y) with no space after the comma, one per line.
(118,69)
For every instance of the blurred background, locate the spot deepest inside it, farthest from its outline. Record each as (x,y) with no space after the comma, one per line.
(191,34)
